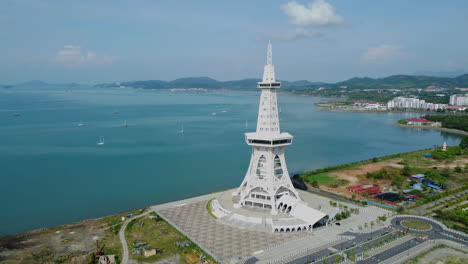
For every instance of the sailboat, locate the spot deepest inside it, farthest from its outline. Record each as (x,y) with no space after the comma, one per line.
(100,142)
(125,124)
(181,130)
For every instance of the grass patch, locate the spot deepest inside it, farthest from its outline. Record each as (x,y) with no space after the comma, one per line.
(208,208)
(416,225)
(321,178)
(158,234)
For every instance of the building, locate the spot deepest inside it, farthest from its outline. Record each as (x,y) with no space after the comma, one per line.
(267,179)
(418,121)
(266,198)
(404,102)
(459,99)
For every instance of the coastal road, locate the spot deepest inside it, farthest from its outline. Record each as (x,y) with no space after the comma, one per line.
(122,238)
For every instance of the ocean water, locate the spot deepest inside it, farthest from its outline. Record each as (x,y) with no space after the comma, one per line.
(52,172)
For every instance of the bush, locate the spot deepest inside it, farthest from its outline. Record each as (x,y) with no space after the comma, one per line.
(464,143)
(458,169)
(315,184)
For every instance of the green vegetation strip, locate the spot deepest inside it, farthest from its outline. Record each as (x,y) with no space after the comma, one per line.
(208,208)
(440,195)
(321,172)
(416,225)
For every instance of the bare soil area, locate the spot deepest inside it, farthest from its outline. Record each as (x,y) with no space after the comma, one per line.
(357,175)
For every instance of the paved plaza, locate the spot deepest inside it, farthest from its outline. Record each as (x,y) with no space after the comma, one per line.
(222,240)
(225,241)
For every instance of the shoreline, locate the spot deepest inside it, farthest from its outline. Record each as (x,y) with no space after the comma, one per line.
(442,129)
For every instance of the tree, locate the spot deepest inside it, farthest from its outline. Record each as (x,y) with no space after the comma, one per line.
(406,171)
(458,169)
(375,159)
(315,184)
(464,143)
(398,180)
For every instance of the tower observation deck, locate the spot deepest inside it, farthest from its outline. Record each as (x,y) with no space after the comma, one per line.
(267,178)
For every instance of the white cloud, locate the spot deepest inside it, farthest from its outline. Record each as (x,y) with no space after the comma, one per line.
(318,13)
(382,54)
(299,33)
(72,56)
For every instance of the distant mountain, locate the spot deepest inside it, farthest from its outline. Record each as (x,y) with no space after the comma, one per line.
(390,82)
(449,74)
(33,83)
(403,82)
(203,82)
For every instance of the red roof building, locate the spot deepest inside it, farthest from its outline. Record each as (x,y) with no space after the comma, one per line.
(419,120)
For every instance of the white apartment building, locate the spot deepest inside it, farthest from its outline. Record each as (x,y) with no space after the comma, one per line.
(404,102)
(459,99)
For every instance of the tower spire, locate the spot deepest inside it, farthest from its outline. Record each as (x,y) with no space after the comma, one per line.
(269,54)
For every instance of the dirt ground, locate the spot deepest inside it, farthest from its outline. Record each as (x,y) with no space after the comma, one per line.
(357,176)
(66,244)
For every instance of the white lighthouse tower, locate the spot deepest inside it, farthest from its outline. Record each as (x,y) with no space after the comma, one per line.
(267,179)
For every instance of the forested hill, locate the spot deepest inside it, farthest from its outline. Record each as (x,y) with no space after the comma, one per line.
(204,82)
(391,82)
(404,81)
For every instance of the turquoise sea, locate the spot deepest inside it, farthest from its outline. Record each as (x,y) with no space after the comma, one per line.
(53,172)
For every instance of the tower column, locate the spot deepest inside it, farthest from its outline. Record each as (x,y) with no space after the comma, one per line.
(267,178)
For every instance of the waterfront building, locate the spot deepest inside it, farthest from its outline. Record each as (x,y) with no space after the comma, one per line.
(415,103)
(459,99)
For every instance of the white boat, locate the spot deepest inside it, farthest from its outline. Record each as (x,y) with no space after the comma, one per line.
(80,124)
(181,130)
(125,124)
(213,113)
(100,142)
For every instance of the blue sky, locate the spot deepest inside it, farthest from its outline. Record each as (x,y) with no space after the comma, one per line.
(317,40)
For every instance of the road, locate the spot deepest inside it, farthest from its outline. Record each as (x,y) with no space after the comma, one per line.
(436,232)
(365,241)
(122,238)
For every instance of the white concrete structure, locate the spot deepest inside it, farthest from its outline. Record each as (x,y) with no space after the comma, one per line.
(459,99)
(267,178)
(404,102)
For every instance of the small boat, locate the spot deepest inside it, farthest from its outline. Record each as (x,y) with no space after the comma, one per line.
(115,112)
(213,113)
(246,123)
(100,142)
(125,124)
(80,124)
(224,111)
(181,130)
(280,110)
(17,114)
